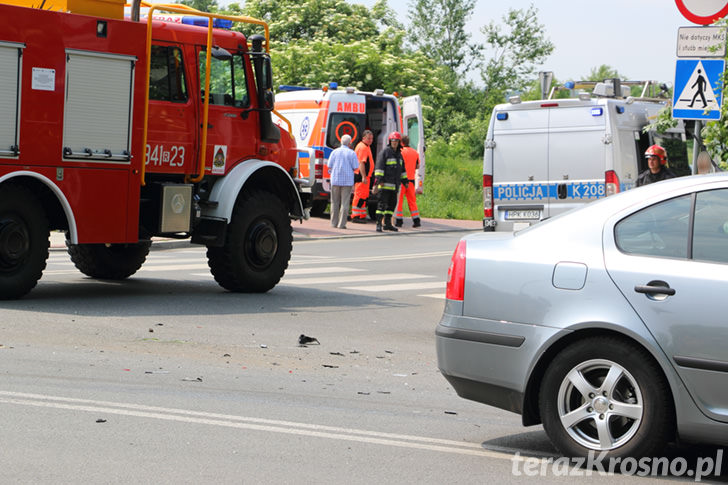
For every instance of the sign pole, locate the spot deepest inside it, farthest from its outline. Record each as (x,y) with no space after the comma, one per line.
(697,143)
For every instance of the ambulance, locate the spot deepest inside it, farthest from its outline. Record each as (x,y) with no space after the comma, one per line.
(320,117)
(546,157)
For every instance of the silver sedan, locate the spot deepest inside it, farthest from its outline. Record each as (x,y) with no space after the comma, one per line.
(608,324)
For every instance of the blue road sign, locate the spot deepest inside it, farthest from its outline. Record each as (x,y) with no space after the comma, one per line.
(698,89)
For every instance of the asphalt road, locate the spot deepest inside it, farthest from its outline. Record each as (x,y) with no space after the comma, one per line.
(167,378)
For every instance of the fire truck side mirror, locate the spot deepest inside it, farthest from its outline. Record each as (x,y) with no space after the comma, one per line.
(257,43)
(220,53)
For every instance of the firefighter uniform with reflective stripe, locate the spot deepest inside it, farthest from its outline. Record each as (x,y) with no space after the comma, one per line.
(411,162)
(361,189)
(388,174)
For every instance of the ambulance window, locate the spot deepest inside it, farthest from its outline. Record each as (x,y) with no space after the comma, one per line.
(342,124)
(228,86)
(166,75)
(413,131)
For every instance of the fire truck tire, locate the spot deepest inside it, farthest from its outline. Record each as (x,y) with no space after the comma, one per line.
(257,247)
(318,207)
(109,262)
(24,241)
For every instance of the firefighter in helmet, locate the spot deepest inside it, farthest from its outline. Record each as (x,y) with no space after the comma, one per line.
(389,172)
(656,166)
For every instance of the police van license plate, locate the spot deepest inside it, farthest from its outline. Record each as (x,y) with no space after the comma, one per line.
(515,215)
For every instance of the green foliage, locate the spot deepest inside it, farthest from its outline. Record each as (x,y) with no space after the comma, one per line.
(453,183)
(438,29)
(314,20)
(519,48)
(601,73)
(201,5)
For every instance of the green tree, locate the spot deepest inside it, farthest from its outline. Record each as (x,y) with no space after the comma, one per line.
(601,73)
(311,20)
(517,51)
(438,29)
(201,5)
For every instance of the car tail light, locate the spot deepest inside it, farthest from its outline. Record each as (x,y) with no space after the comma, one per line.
(488,196)
(611,182)
(456,274)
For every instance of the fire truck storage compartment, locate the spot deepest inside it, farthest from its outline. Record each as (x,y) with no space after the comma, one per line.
(166,208)
(10,58)
(98,109)
(176,208)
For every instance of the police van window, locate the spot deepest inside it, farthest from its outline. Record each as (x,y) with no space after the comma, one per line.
(167,75)
(341,124)
(228,86)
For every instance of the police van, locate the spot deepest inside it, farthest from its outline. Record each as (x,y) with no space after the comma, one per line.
(320,117)
(545,157)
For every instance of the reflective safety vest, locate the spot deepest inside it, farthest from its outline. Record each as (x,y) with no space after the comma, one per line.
(411,160)
(390,169)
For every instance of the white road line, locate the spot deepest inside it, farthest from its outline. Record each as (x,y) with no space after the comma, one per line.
(322,270)
(307,271)
(172,267)
(392,257)
(398,287)
(352,278)
(439,296)
(245,422)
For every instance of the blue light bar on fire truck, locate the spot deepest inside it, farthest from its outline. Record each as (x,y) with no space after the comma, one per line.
(193,20)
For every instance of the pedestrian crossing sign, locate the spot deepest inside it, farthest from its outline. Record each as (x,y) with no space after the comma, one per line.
(698,89)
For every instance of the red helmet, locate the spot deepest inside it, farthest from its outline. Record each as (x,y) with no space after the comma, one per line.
(657,151)
(395,136)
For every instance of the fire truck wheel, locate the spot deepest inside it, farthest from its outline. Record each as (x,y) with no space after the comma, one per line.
(318,207)
(109,262)
(24,240)
(257,247)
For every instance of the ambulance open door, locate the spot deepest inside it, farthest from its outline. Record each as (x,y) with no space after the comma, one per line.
(414,128)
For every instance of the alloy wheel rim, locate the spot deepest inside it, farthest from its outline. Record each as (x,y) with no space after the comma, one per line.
(600,405)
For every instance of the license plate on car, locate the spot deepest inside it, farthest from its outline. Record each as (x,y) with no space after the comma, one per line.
(523,214)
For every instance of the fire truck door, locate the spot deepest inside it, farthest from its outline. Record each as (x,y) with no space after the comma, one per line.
(232,126)
(172,132)
(413,127)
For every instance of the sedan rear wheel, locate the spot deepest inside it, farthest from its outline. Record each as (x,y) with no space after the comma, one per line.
(606,395)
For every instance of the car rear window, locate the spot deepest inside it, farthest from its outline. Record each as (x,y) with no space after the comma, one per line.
(660,230)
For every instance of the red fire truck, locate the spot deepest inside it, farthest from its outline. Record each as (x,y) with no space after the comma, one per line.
(116,131)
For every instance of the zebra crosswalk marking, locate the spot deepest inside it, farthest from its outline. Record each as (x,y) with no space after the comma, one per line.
(351,279)
(398,287)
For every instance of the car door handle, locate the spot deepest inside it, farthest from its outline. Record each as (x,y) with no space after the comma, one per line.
(655,288)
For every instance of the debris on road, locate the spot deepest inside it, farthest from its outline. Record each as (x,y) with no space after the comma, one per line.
(329,366)
(336,353)
(305,339)
(450,412)
(100,420)
(192,379)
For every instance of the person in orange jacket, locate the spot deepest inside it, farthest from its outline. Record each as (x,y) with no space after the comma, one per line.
(411,163)
(366,169)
